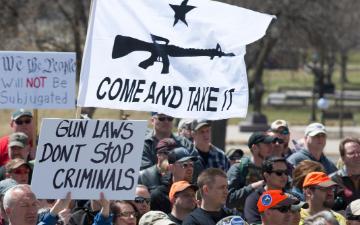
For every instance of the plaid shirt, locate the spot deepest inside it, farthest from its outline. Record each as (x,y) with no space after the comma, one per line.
(216,158)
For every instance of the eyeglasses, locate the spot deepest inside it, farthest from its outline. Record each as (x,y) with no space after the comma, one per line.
(141,200)
(280,172)
(127,214)
(163,118)
(282,209)
(20,171)
(21,122)
(185,165)
(285,131)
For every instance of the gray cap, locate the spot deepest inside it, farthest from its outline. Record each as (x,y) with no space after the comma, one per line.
(6,185)
(185,124)
(197,124)
(155,218)
(315,128)
(19,139)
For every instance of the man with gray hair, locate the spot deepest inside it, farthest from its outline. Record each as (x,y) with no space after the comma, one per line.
(21,207)
(315,141)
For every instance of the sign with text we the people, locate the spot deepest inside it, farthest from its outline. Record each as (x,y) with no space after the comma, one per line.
(184,58)
(37,80)
(87,157)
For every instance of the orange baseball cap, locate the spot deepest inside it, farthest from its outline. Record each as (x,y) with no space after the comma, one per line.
(319,179)
(273,198)
(178,187)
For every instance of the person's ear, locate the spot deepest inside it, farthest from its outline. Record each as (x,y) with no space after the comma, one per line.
(307,193)
(8,211)
(205,189)
(171,168)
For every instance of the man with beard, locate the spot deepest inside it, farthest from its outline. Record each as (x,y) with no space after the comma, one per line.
(280,129)
(246,176)
(213,189)
(182,198)
(348,177)
(318,191)
(276,177)
(162,128)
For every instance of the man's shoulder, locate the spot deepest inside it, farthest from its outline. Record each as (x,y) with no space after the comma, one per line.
(196,217)
(4,140)
(299,155)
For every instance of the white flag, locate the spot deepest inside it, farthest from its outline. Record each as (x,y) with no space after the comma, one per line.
(184,58)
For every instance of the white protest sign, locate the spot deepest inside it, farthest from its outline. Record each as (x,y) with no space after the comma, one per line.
(172,56)
(87,157)
(37,80)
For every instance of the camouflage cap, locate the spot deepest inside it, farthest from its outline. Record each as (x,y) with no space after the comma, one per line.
(155,218)
(19,139)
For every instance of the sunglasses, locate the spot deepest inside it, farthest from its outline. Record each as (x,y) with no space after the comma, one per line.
(127,214)
(141,200)
(333,188)
(185,165)
(279,141)
(20,171)
(284,131)
(280,172)
(21,122)
(282,209)
(163,118)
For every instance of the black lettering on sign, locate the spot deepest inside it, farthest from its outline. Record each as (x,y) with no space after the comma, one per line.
(172,104)
(151,93)
(122,90)
(109,129)
(68,128)
(110,153)
(212,99)
(55,184)
(60,153)
(201,99)
(112,179)
(226,94)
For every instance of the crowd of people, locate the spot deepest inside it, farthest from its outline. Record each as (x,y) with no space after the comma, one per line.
(185,179)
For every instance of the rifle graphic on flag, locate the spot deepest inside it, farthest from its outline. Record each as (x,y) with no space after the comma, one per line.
(199,46)
(124,45)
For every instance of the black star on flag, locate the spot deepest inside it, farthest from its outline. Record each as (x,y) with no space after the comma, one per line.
(180,11)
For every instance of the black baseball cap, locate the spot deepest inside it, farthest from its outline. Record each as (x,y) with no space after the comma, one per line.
(260,137)
(180,154)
